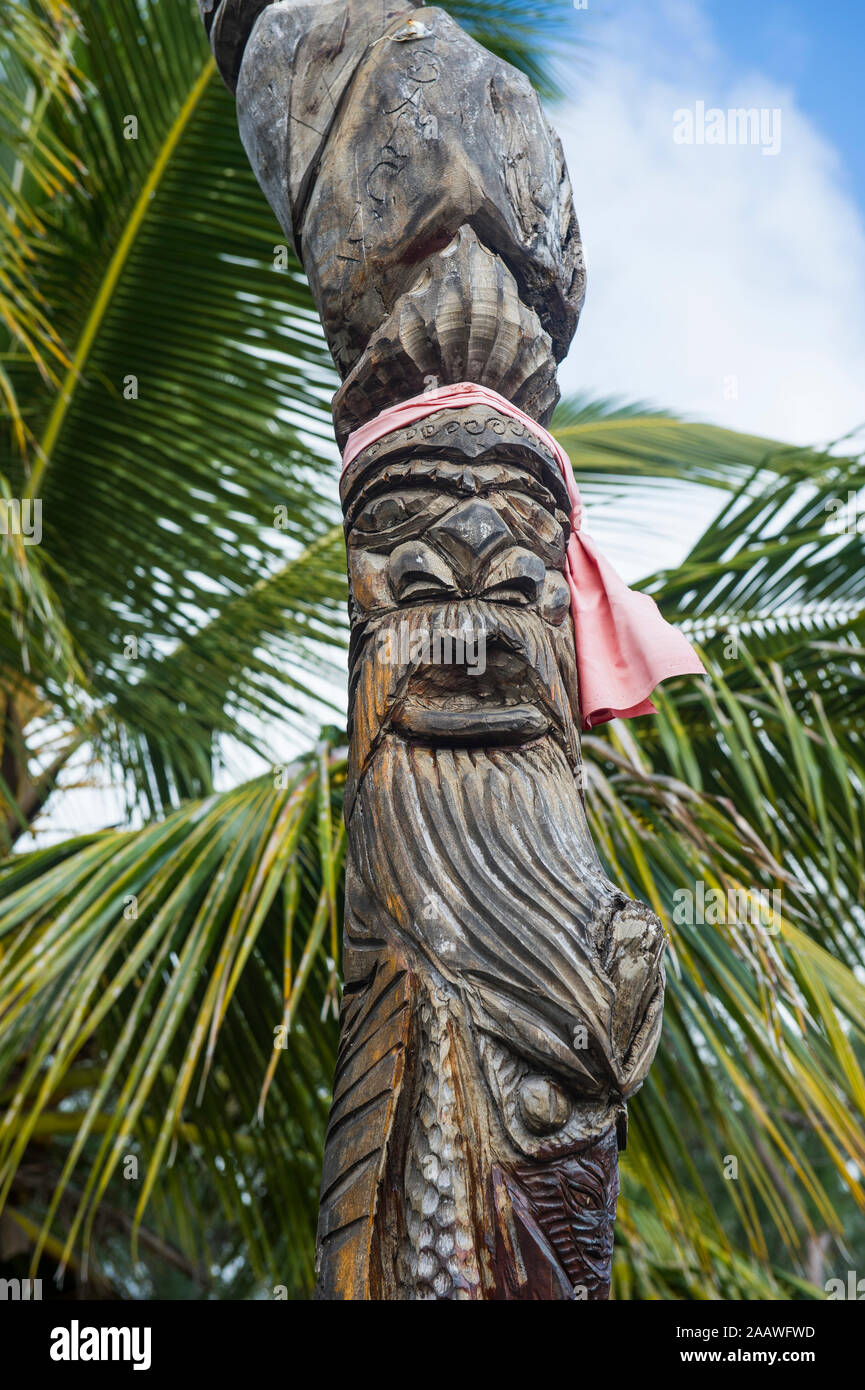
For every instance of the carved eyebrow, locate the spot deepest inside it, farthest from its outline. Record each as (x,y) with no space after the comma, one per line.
(417,474)
(382,487)
(538,493)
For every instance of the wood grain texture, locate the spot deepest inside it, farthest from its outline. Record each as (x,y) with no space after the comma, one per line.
(436,133)
(534,986)
(377,131)
(503,999)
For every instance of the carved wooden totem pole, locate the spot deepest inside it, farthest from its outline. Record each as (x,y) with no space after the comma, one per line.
(502,998)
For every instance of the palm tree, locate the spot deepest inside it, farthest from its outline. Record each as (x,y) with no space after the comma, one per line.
(168,987)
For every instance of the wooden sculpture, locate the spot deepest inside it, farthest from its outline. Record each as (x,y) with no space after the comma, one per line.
(502,998)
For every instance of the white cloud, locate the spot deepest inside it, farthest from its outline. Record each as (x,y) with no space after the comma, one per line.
(722,283)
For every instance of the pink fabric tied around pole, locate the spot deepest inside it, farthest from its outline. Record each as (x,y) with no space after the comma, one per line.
(624,647)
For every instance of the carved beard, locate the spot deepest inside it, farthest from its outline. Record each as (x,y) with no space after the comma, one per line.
(536,660)
(455,840)
(478,867)
(489,874)
(486,954)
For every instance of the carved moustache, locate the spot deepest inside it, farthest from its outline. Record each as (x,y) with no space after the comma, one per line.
(466,673)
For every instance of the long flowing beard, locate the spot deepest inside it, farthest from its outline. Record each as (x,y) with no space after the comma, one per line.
(487,1043)
(485,862)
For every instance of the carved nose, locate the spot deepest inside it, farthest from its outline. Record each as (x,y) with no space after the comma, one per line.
(470,535)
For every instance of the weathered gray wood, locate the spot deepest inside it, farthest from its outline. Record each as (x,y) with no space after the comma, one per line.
(463,320)
(436,133)
(503,1000)
(377,131)
(299,64)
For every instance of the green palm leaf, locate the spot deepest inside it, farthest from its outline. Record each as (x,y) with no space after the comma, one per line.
(187,453)
(147,961)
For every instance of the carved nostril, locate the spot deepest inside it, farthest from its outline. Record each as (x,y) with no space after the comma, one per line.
(471,534)
(516,577)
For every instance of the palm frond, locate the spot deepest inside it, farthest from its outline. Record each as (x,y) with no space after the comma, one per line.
(616,445)
(246,670)
(149,967)
(167,994)
(37,70)
(762,1048)
(187,452)
(535,38)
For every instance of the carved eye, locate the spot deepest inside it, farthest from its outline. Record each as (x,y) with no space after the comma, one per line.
(523,504)
(386,513)
(536,526)
(381,514)
(544,1104)
(532,511)
(416,572)
(586,1201)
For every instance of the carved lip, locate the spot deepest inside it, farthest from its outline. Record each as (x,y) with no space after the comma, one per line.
(508,724)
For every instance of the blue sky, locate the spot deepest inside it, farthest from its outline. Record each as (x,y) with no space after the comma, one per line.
(723,284)
(815,47)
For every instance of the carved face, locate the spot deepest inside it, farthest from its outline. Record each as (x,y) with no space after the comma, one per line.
(480,743)
(460,605)
(427,531)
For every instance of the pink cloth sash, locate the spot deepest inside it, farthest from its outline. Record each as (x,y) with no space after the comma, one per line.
(624,647)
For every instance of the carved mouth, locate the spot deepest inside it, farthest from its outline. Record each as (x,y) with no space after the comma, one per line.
(463,705)
(484,726)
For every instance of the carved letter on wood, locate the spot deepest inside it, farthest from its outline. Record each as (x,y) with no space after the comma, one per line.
(502,998)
